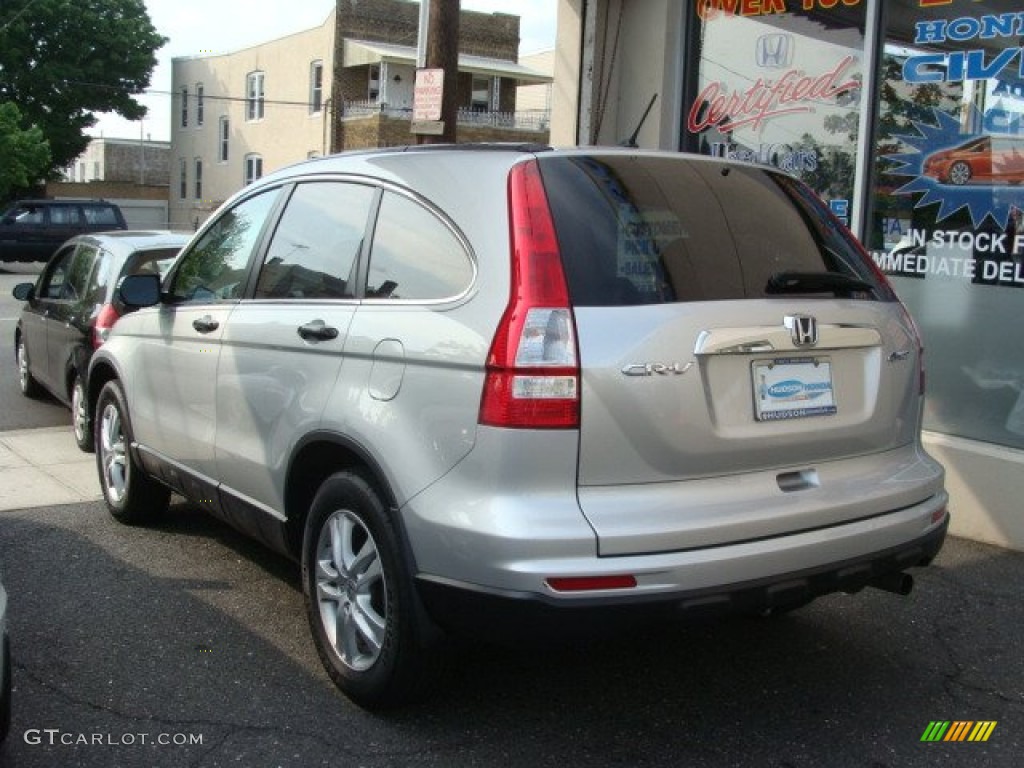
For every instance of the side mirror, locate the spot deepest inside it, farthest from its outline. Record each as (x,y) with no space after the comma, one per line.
(24,291)
(137,291)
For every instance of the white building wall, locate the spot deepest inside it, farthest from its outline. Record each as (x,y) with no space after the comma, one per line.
(287,133)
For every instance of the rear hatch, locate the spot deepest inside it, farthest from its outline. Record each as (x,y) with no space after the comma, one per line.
(744,368)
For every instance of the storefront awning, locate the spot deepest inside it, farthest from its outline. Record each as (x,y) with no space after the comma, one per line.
(361,52)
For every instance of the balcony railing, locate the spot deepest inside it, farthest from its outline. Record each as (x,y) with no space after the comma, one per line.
(525,120)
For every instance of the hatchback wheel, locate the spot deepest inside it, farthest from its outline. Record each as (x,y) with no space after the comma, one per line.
(132,496)
(26,381)
(80,415)
(960,173)
(360,598)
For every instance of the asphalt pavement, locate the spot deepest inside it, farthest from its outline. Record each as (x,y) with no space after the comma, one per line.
(185,644)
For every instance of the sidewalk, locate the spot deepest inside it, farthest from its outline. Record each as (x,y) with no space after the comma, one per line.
(43,467)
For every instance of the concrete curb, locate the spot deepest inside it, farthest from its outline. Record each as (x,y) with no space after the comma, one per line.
(44,467)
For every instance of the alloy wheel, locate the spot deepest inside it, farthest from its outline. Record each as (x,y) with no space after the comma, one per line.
(112,454)
(79,413)
(351,591)
(23,372)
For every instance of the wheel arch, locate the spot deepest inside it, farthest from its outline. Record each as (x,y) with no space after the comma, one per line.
(315,458)
(100,372)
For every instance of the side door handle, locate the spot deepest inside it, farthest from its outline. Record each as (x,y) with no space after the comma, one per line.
(205,324)
(317,330)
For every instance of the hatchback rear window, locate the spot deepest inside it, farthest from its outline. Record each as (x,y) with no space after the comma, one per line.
(646,230)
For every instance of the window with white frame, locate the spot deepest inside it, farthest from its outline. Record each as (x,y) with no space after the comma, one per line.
(199,178)
(373,83)
(182,178)
(200,106)
(224,136)
(316,87)
(253,168)
(184,107)
(254,96)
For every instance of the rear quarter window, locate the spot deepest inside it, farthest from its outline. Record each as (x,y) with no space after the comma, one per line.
(415,256)
(652,230)
(100,215)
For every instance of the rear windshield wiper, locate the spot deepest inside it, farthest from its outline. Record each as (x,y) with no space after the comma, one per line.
(816,282)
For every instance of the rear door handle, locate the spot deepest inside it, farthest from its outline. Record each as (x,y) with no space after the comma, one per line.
(205,324)
(317,330)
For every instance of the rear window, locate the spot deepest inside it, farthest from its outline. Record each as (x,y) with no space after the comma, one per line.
(100,214)
(655,230)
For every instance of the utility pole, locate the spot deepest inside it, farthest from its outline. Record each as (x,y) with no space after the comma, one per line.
(443,53)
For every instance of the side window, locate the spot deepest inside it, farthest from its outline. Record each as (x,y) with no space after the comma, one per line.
(315,248)
(415,256)
(64,215)
(215,268)
(100,214)
(56,274)
(27,215)
(67,277)
(96,293)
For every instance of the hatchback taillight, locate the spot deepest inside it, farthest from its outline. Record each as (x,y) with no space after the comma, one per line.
(533,374)
(105,320)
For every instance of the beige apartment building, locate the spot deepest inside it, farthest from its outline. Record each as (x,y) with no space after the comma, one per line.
(346,84)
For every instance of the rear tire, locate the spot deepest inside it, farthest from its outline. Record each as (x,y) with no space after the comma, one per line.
(80,415)
(132,496)
(360,598)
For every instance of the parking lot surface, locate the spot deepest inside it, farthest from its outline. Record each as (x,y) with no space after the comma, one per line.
(185,644)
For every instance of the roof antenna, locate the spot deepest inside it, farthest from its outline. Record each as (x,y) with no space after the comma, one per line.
(631,141)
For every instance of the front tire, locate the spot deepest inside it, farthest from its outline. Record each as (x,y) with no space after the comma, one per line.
(132,496)
(26,381)
(360,598)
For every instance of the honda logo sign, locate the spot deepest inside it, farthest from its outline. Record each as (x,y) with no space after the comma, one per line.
(774,51)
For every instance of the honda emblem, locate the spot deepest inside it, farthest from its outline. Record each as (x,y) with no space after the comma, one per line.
(803,330)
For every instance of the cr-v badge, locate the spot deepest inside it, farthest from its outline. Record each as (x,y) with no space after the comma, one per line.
(656,369)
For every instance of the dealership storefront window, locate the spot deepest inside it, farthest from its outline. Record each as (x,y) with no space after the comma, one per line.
(946,220)
(782,86)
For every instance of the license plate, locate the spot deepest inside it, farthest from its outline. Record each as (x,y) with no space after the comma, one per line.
(793,388)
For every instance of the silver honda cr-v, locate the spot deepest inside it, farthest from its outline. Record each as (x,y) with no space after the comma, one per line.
(513,382)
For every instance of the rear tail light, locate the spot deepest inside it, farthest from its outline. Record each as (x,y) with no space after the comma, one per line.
(533,374)
(101,326)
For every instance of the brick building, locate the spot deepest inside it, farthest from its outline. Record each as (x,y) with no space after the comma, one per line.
(346,84)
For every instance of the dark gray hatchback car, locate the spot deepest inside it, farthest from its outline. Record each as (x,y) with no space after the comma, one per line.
(71,308)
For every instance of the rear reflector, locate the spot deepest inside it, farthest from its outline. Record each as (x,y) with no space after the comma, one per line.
(591,583)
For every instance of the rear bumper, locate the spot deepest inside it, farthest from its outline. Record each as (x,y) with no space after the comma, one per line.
(468,607)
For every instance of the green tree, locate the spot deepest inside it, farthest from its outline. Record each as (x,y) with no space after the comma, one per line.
(62,60)
(24,153)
